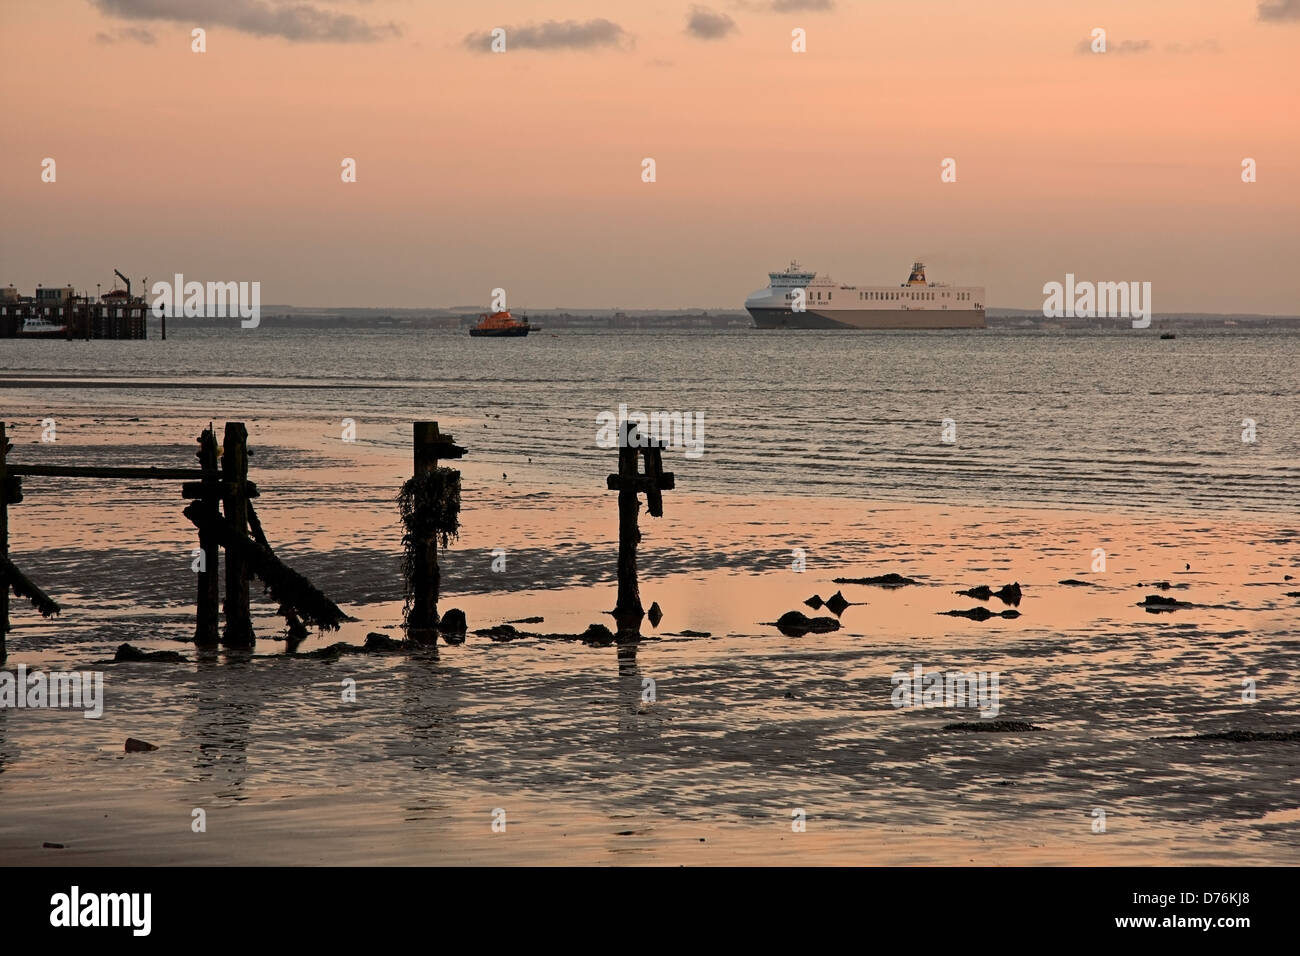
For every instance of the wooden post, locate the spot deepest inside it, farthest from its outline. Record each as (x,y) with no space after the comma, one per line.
(422,623)
(632,444)
(628,611)
(209,598)
(234,474)
(4,540)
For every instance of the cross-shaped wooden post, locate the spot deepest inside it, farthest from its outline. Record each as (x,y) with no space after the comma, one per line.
(422,623)
(629,483)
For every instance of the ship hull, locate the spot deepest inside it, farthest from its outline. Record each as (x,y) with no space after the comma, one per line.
(867,319)
(500,333)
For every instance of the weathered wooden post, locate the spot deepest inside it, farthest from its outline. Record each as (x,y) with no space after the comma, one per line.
(209,597)
(430,504)
(234,476)
(6,497)
(628,483)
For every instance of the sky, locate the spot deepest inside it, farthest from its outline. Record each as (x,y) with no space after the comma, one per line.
(523,169)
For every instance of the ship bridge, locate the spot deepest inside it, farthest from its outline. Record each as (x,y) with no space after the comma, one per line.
(792,278)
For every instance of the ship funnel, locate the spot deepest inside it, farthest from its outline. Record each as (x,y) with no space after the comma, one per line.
(918,274)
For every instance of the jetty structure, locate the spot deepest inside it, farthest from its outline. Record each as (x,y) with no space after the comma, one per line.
(59,312)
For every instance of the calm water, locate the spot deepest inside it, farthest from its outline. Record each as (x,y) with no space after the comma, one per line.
(1115,419)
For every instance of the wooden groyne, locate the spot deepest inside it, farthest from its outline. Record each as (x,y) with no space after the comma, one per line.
(220,498)
(220,509)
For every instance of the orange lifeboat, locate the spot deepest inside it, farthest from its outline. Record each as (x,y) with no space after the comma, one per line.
(500,324)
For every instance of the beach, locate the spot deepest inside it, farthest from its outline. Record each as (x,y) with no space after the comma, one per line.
(717,738)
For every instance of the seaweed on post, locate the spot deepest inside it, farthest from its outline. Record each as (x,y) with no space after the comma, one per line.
(429,505)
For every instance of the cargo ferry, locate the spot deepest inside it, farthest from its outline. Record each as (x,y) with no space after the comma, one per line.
(799,299)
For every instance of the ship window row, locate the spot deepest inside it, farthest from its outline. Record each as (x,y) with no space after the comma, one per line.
(915,296)
(893,296)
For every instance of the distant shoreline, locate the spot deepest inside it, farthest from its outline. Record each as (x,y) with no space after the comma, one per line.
(676,320)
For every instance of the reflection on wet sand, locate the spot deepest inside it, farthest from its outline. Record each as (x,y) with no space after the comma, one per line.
(429,703)
(226,708)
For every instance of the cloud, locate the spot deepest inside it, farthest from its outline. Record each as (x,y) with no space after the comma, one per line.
(1279,10)
(1197,46)
(289,19)
(705,24)
(1123,46)
(125,34)
(553,35)
(786,6)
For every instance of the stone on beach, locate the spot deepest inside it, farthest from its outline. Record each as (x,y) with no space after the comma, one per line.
(453,622)
(500,632)
(1154,603)
(836,603)
(982,614)
(890,580)
(993,726)
(655,614)
(797,624)
(597,634)
(453,626)
(1009,594)
(815,602)
(126,654)
(382,643)
(135,746)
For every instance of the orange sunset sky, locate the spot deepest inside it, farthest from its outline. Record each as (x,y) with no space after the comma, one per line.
(523,169)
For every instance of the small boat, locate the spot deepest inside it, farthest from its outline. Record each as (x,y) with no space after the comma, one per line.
(500,325)
(39,327)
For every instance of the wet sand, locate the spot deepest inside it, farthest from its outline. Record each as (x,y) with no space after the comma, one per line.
(746,726)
